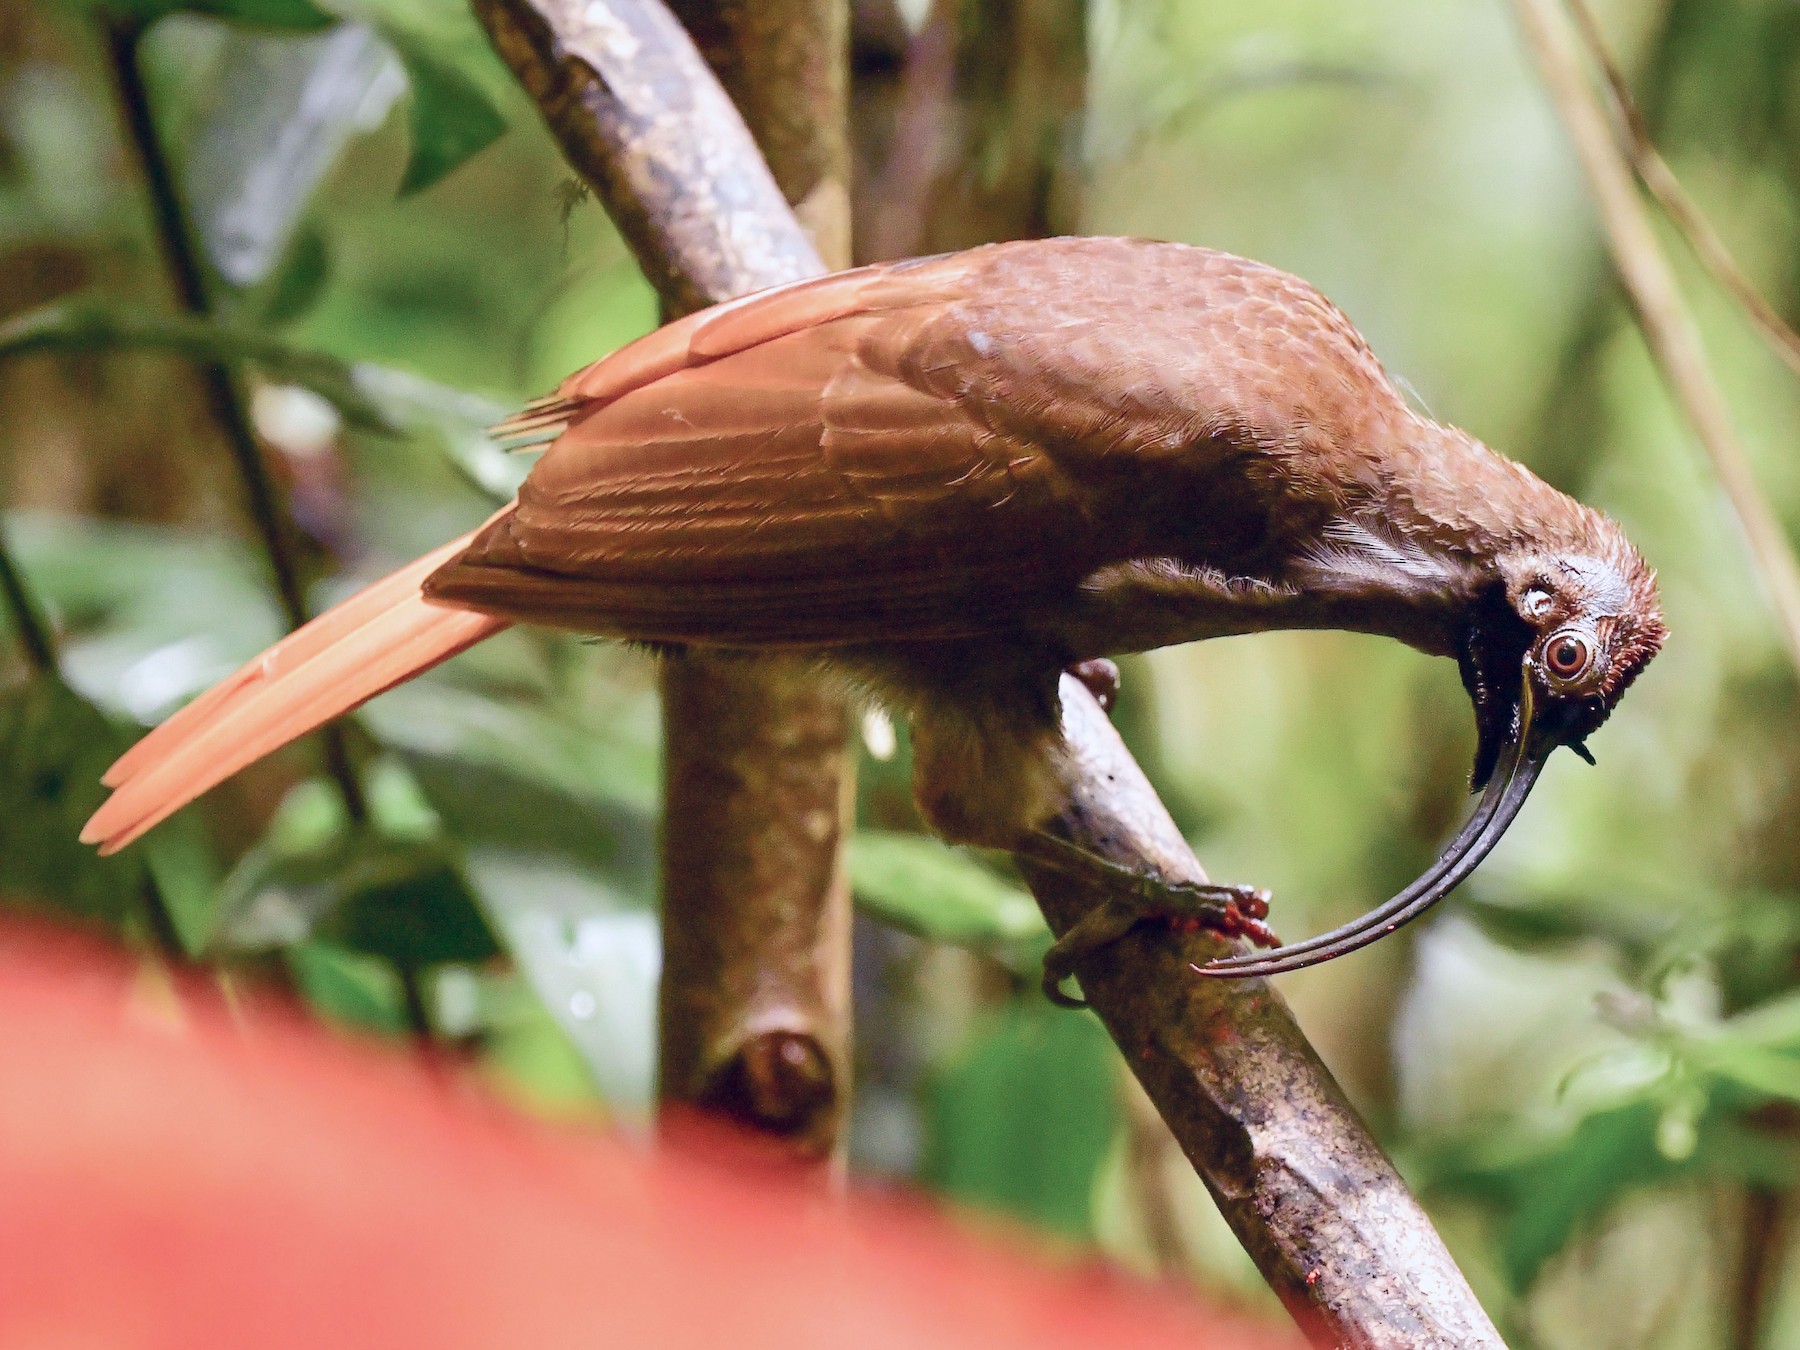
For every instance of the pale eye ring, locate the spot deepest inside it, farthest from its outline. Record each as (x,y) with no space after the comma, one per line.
(1567,655)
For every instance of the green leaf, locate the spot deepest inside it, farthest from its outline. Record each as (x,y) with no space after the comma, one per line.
(55,745)
(296,15)
(1761,1071)
(410,906)
(487,805)
(436,717)
(1546,1196)
(186,872)
(402,901)
(926,888)
(591,957)
(348,987)
(301,280)
(451,118)
(1771,1025)
(148,615)
(1022,1121)
(281,109)
(376,398)
(454,420)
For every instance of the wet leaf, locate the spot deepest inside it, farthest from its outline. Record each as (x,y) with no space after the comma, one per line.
(527,1054)
(55,745)
(592,958)
(451,118)
(283,108)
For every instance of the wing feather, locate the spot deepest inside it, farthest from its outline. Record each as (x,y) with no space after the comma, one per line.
(881,455)
(788,485)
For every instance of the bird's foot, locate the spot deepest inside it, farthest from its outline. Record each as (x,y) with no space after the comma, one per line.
(1135,896)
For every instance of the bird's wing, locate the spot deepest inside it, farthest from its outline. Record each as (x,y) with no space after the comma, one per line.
(777,472)
(931,449)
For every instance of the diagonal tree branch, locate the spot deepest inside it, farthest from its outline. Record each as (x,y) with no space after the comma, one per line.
(1324,1214)
(1328,1221)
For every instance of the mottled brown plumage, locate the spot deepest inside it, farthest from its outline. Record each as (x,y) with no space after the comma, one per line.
(956,476)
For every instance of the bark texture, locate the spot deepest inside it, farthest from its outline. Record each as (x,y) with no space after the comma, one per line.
(1320,1209)
(756,905)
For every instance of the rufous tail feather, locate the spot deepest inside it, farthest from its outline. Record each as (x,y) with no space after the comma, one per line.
(380,637)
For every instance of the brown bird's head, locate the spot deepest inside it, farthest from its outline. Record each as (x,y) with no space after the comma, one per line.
(1550,644)
(1561,634)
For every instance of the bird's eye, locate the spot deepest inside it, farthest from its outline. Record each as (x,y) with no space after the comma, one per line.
(1567,655)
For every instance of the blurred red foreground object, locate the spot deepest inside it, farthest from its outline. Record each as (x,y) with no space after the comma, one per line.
(175,1178)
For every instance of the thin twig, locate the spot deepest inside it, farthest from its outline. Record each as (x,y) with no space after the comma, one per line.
(1654,172)
(39,647)
(224,399)
(164,936)
(412,997)
(28,621)
(1669,329)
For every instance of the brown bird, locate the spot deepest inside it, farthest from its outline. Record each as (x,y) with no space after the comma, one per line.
(955,477)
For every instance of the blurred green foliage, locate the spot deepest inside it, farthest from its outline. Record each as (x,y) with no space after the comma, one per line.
(1589,1064)
(1021,1119)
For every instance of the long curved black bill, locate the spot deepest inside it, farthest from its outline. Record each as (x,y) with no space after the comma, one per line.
(1521,761)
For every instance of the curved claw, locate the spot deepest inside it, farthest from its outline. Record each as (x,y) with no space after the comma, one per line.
(1521,761)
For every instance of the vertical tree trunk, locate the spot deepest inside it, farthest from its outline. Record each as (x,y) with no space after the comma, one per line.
(755,1008)
(755,993)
